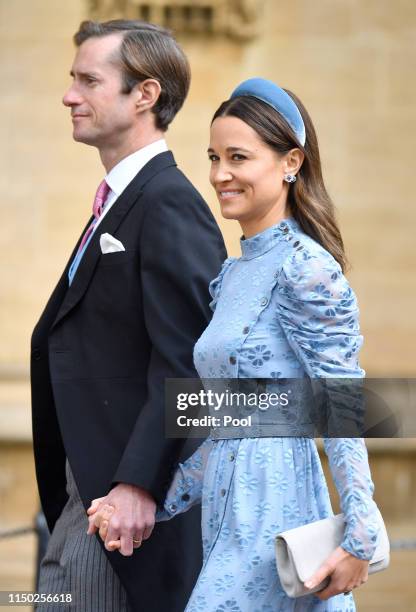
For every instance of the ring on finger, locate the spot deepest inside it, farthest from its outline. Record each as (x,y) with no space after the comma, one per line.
(136,541)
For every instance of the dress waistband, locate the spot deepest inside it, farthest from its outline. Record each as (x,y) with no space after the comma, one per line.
(261,431)
(255,423)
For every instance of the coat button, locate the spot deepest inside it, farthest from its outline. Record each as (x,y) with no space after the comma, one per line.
(233,360)
(264,301)
(223,492)
(36,354)
(186,497)
(246,329)
(172,507)
(285,229)
(231,457)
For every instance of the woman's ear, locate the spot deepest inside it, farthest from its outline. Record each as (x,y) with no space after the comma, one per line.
(147,94)
(293,160)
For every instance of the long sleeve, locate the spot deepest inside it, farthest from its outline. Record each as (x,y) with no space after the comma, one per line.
(348,461)
(319,314)
(185,490)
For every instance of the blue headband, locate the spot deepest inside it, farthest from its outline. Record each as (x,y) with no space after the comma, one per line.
(277,98)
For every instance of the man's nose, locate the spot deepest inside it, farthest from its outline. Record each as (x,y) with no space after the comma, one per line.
(71,97)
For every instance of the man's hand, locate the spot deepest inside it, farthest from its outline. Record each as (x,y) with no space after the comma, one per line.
(346,571)
(127,513)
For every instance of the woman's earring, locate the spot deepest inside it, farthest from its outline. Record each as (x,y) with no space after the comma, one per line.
(289,178)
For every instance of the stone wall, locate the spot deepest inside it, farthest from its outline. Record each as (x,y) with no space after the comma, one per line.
(352,63)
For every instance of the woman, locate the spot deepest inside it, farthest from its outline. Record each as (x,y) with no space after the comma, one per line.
(281,310)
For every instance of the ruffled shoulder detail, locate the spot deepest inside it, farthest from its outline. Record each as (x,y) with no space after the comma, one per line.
(307,269)
(215,284)
(319,312)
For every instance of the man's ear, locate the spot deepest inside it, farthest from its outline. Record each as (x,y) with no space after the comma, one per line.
(146,94)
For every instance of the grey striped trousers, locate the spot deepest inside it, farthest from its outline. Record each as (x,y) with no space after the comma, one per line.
(75,563)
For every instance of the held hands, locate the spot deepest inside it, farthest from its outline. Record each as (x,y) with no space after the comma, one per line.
(346,572)
(123,518)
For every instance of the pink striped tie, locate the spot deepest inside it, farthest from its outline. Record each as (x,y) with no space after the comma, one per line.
(97,209)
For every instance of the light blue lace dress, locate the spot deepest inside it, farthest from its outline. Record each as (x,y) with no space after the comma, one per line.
(283,309)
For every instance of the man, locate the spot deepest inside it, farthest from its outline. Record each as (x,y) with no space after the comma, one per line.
(124,316)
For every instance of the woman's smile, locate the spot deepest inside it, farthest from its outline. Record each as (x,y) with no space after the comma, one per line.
(227,194)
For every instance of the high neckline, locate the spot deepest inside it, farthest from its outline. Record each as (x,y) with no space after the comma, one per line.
(264,241)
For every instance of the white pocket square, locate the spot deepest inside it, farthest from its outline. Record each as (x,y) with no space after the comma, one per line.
(109,244)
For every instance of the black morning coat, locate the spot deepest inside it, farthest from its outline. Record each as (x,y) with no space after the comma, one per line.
(100,354)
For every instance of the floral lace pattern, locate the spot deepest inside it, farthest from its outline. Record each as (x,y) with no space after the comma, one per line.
(282,310)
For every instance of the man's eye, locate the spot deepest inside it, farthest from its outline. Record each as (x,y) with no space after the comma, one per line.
(213,157)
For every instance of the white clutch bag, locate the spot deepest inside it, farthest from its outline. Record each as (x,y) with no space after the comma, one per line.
(301,551)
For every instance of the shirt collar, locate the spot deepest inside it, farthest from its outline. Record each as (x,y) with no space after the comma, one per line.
(264,241)
(124,172)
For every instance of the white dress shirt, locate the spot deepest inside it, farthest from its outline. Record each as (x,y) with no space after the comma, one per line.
(124,172)
(117,179)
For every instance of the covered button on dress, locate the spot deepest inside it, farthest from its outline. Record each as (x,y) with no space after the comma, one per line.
(283,309)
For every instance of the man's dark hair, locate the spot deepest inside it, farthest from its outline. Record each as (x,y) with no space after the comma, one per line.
(147,51)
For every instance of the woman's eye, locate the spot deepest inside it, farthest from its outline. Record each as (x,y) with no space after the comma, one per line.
(238,157)
(213,157)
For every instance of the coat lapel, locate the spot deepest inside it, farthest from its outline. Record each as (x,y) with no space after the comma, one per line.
(109,224)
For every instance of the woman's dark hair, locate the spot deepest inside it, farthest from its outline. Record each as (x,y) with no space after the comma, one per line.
(147,51)
(308,198)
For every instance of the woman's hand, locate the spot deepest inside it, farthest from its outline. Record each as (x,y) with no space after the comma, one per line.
(346,572)
(98,521)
